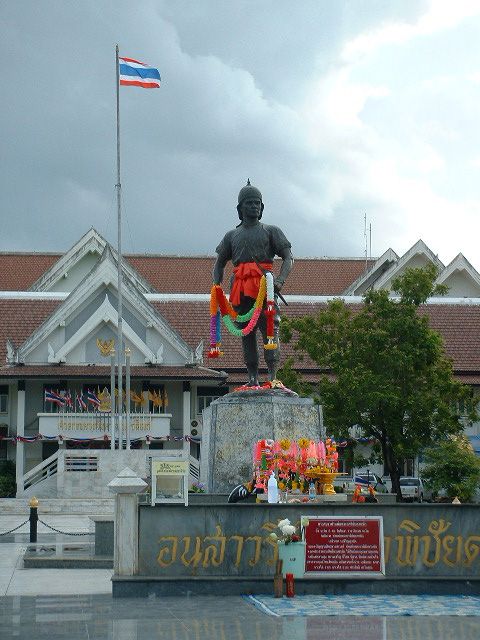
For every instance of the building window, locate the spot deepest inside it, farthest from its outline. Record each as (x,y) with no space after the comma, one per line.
(3,398)
(206,395)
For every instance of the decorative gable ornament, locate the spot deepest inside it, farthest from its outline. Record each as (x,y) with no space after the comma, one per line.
(12,353)
(105,346)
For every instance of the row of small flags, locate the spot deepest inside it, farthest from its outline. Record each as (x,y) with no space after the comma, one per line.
(82,400)
(66,400)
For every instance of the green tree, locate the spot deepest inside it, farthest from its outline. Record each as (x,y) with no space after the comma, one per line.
(383,370)
(452,466)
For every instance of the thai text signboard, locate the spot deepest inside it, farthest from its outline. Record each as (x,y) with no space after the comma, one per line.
(170,481)
(337,546)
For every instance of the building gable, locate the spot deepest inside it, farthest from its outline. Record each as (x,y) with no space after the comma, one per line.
(89,313)
(418,256)
(71,269)
(370,276)
(462,280)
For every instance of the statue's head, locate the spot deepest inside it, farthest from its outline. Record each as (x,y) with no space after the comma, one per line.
(248,192)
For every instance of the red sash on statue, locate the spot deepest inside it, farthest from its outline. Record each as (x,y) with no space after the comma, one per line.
(247,280)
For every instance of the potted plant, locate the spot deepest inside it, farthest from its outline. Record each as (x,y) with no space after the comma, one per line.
(291,549)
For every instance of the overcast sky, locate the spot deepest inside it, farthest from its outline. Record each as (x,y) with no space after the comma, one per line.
(335,109)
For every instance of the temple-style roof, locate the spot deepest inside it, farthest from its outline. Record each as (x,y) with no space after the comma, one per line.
(459,324)
(51,302)
(190,274)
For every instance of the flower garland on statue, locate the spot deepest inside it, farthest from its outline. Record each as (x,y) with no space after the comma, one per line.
(221,308)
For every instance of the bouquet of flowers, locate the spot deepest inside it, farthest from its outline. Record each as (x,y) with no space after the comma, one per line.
(288,532)
(198,487)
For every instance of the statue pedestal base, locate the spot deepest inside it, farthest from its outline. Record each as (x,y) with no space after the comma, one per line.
(233,423)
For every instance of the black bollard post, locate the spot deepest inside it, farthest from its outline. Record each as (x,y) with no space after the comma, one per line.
(33,519)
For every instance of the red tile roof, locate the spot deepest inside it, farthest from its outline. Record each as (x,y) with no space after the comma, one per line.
(310,276)
(18,271)
(459,325)
(183,274)
(20,318)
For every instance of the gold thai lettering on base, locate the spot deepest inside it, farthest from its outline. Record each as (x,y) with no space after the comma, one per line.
(209,551)
(433,547)
(437,545)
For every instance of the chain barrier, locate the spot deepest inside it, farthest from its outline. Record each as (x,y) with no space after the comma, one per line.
(67,533)
(5,533)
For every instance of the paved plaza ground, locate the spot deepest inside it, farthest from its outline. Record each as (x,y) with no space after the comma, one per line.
(77,603)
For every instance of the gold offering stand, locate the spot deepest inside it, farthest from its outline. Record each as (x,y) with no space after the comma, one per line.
(324,479)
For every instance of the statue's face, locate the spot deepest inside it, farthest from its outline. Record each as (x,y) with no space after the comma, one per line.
(251,208)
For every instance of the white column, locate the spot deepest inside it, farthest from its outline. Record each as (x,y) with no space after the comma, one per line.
(187,408)
(20,459)
(126,486)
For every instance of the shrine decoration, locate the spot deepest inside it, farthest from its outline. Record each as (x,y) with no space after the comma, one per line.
(296,464)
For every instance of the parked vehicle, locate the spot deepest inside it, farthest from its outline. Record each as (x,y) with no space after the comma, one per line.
(412,489)
(348,483)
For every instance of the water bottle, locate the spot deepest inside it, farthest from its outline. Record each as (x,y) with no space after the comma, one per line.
(312,493)
(272,489)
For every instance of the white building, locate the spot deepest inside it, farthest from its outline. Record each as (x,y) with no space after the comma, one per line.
(56,309)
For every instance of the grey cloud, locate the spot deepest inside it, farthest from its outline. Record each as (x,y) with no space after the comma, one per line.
(233,75)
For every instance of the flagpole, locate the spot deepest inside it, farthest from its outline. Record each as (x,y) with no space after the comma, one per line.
(119,261)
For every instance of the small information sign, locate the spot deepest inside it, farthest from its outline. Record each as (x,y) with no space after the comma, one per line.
(170,481)
(340,546)
(170,467)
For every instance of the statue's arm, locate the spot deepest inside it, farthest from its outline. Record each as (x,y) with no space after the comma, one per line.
(224,254)
(287,264)
(218,269)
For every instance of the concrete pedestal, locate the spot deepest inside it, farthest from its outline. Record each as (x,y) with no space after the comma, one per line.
(234,422)
(126,486)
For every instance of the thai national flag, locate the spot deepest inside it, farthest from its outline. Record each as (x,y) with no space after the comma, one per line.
(138,74)
(68,399)
(92,398)
(56,398)
(82,405)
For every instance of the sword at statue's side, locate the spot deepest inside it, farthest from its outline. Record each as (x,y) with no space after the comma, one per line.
(264,273)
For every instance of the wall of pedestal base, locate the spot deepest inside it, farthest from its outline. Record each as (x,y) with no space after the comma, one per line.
(234,422)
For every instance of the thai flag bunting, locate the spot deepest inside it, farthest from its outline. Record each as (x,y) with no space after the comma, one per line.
(138,74)
(92,398)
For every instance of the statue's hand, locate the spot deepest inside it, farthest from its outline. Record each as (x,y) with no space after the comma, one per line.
(278,284)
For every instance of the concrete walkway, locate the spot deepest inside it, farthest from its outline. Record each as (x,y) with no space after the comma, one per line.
(17,581)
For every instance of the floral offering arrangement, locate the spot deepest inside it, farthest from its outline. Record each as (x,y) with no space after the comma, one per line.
(296,464)
(198,487)
(288,532)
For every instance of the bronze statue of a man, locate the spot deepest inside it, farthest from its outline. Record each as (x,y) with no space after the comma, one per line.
(251,247)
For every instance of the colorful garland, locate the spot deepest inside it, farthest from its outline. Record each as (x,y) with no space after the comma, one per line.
(220,307)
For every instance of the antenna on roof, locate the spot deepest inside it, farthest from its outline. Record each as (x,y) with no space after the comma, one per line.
(367,241)
(370,252)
